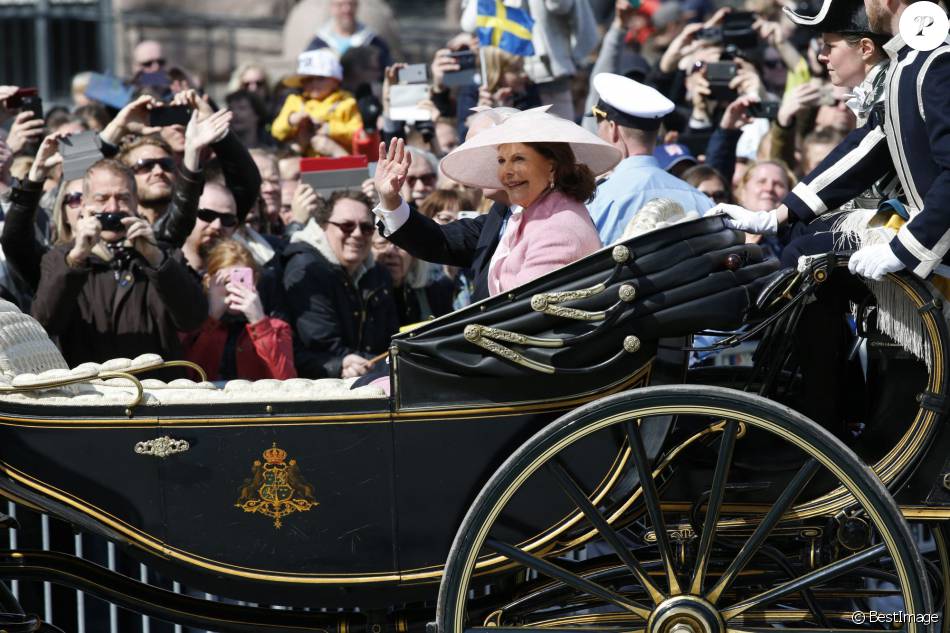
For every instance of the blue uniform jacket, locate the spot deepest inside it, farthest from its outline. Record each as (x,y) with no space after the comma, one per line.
(636,181)
(910,134)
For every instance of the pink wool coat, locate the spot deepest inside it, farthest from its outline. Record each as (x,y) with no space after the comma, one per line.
(553,232)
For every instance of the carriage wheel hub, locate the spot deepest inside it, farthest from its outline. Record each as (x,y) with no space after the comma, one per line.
(685,614)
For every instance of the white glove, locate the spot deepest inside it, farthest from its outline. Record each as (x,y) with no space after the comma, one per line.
(741,219)
(874,262)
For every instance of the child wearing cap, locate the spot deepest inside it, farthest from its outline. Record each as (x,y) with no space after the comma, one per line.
(322,104)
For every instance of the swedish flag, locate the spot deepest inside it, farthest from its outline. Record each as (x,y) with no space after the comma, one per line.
(507,28)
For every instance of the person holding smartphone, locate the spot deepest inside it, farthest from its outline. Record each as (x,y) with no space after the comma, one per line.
(113,291)
(238,340)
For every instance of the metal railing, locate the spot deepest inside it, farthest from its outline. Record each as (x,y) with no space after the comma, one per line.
(74,610)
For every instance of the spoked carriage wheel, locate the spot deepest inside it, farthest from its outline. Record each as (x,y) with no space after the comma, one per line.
(711,543)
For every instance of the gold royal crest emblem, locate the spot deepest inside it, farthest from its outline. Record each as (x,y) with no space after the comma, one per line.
(276,487)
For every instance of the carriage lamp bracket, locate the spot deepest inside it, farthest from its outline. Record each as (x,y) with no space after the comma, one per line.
(930,401)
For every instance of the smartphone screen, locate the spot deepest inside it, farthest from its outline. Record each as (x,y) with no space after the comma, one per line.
(169,115)
(242,276)
(34,104)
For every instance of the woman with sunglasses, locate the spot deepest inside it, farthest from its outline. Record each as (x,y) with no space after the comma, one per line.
(253,78)
(339,300)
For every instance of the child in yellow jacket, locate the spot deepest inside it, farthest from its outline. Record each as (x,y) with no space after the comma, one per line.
(318,75)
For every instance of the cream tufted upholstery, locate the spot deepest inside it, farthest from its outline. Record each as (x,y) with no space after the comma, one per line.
(30,360)
(25,346)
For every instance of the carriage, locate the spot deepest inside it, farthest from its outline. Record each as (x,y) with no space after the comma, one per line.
(545,461)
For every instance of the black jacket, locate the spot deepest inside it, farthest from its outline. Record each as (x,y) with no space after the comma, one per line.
(22,247)
(468,243)
(98,314)
(332,315)
(419,304)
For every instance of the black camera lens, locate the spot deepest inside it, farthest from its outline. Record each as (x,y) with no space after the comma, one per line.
(112,221)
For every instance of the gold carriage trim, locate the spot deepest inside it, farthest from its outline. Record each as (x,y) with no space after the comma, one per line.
(276,488)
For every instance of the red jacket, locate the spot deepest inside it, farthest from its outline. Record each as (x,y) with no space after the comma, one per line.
(264,350)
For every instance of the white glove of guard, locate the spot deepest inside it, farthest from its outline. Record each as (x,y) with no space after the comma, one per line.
(741,219)
(874,262)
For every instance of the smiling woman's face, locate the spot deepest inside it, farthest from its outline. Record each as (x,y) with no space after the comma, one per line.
(523,172)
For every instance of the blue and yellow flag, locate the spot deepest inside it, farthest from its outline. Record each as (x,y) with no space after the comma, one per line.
(504,27)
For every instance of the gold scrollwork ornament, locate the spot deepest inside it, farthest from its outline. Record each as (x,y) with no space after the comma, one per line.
(276,488)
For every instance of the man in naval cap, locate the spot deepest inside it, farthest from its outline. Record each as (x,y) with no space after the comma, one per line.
(628,117)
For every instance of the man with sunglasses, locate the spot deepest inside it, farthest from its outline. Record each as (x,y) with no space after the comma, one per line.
(113,290)
(148,57)
(217,220)
(422,177)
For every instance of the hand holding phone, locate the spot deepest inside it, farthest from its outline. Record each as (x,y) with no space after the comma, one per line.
(169,115)
(246,300)
(414,74)
(764,110)
(465,75)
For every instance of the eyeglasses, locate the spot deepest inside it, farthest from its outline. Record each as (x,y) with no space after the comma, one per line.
(772,63)
(145,165)
(158,61)
(252,83)
(427,179)
(73,199)
(209,216)
(349,226)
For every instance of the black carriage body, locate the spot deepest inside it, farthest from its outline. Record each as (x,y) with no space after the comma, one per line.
(386,495)
(375,489)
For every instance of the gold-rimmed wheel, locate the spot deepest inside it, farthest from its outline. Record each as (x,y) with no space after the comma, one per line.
(703,545)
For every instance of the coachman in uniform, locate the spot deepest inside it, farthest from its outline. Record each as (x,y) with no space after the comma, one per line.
(910,134)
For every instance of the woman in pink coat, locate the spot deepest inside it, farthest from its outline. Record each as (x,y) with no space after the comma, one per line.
(546,165)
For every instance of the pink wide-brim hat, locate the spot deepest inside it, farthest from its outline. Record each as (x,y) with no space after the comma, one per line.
(475,162)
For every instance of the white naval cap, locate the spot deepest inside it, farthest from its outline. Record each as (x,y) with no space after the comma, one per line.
(630,103)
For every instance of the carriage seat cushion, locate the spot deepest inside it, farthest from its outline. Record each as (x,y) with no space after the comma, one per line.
(118,392)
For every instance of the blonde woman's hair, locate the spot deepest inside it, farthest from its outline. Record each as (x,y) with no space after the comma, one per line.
(228,253)
(64,232)
(234,83)
(497,62)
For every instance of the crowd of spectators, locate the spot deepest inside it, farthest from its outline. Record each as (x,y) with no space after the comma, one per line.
(200,238)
